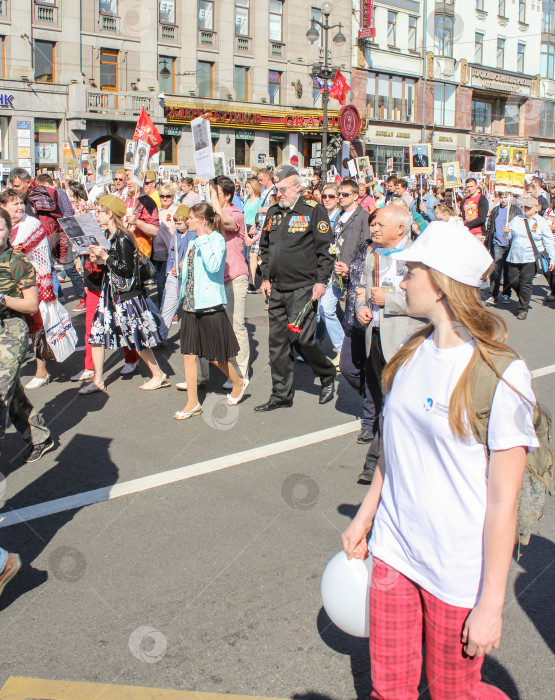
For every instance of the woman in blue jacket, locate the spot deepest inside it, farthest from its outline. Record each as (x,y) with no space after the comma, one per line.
(205,328)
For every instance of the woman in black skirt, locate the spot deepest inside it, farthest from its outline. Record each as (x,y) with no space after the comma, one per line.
(122,318)
(205,328)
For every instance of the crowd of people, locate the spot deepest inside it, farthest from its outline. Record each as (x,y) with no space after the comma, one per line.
(399,281)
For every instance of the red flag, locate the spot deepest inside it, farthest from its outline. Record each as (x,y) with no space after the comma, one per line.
(339,88)
(146,131)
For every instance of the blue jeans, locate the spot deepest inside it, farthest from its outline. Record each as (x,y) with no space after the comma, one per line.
(3,560)
(328,315)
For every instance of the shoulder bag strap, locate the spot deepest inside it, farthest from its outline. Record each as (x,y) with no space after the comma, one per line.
(532,242)
(483,383)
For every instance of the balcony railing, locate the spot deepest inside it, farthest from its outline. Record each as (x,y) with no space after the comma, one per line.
(46,14)
(277,49)
(125,102)
(108,23)
(206,37)
(168,33)
(243,44)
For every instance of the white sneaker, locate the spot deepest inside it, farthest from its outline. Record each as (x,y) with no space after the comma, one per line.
(37,382)
(490,301)
(129,367)
(83,376)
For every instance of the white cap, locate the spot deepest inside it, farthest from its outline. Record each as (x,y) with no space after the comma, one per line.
(449,249)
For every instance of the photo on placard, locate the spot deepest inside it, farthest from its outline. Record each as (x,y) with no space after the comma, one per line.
(201,137)
(231,169)
(103,172)
(362,162)
(242,174)
(129,157)
(451,175)
(219,164)
(518,157)
(389,164)
(489,165)
(503,155)
(368,174)
(421,159)
(270,163)
(140,164)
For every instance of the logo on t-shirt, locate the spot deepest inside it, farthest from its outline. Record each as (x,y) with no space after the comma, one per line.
(438,409)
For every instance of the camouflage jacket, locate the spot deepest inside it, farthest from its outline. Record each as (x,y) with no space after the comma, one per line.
(16,274)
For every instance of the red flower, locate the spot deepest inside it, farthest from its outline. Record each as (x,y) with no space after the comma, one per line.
(293,328)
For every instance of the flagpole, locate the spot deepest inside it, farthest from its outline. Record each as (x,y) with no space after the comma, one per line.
(325,101)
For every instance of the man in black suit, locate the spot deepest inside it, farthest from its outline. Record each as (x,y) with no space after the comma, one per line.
(419,158)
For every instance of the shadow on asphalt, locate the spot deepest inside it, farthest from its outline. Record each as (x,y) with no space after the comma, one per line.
(84,464)
(535,585)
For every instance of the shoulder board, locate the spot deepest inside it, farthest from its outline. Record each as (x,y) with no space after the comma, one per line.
(310,202)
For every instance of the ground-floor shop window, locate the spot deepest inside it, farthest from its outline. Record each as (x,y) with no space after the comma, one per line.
(168,149)
(379,156)
(440,155)
(242,152)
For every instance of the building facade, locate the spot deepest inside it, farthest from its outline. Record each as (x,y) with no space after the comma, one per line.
(464,76)
(76,69)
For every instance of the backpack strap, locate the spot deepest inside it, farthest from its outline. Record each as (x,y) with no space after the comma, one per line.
(483,383)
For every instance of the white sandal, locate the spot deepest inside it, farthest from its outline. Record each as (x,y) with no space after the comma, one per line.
(233,402)
(91,388)
(183,415)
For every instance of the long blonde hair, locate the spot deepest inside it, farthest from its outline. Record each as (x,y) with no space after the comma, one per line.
(489,333)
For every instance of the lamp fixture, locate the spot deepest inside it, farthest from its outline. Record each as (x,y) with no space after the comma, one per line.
(327,8)
(313,34)
(339,38)
(165,71)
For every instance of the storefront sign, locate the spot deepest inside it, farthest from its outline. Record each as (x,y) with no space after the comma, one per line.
(275,137)
(349,122)
(24,125)
(171,130)
(245,135)
(367,29)
(273,120)
(491,80)
(6,100)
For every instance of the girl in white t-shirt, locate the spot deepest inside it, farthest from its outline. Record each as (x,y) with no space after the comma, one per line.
(443,514)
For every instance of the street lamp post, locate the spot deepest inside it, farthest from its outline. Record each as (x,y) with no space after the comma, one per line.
(325,72)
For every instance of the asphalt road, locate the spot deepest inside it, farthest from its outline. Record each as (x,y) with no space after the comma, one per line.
(211,583)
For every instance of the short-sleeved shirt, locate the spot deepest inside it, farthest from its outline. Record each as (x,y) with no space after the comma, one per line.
(147,211)
(430,521)
(235,263)
(16,274)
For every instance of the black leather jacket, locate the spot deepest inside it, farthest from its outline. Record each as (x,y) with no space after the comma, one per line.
(490,229)
(123,262)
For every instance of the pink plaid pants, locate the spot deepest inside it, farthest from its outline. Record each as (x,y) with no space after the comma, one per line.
(402,615)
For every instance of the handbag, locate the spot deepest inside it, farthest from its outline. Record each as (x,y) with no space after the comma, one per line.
(58,329)
(146,268)
(542,258)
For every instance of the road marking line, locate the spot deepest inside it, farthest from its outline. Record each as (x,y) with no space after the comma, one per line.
(145,483)
(20,688)
(542,371)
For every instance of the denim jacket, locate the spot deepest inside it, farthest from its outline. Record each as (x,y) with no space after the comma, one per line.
(209,266)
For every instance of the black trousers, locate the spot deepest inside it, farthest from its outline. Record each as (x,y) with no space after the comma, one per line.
(377,364)
(283,309)
(521,276)
(356,368)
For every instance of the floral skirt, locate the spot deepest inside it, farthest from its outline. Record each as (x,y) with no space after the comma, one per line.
(127,324)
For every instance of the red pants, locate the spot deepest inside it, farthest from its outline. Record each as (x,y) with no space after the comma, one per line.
(91,300)
(402,614)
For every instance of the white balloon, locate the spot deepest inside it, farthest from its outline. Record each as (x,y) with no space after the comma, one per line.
(345,590)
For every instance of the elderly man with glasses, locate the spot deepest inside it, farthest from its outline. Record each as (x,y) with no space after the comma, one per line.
(296,267)
(120,184)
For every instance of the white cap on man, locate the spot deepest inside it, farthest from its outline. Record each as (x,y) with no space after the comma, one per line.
(451,250)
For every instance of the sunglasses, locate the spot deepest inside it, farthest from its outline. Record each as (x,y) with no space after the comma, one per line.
(149,182)
(346,194)
(329,196)
(166,196)
(283,190)
(118,179)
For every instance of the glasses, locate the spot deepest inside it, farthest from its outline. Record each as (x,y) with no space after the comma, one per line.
(149,182)
(118,179)
(166,196)
(329,196)
(283,190)
(346,194)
